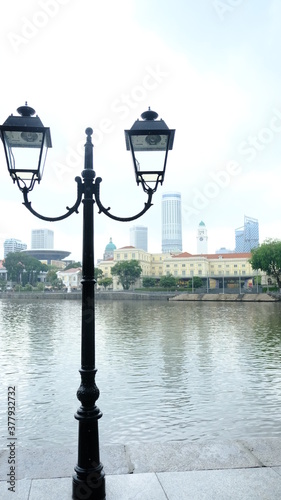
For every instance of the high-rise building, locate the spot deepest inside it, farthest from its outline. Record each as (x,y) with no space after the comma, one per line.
(202,239)
(138,237)
(13,245)
(247,237)
(171,223)
(42,238)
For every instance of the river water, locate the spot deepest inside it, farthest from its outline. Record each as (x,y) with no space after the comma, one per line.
(166,370)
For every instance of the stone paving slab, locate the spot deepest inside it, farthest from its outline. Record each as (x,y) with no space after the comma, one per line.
(245,469)
(135,487)
(22,490)
(267,450)
(183,456)
(235,484)
(228,484)
(60,462)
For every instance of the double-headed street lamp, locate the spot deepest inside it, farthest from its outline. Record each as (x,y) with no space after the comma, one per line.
(26,142)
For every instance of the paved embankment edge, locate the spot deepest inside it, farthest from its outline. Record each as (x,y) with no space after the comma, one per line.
(224,297)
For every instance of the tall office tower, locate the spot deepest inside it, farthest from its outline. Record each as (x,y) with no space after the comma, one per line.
(202,239)
(12,245)
(138,237)
(42,238)
(247,237)
(171,223)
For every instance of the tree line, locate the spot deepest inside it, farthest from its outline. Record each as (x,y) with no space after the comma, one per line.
(24,270)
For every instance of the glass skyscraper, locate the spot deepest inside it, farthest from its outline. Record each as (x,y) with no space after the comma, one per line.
(138,237)
(247,237)
(171,223)
(42,238)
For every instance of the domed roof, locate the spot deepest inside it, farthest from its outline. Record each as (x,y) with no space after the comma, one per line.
(110,246)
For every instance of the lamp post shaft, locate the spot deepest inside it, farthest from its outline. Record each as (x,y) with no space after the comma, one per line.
(89,480)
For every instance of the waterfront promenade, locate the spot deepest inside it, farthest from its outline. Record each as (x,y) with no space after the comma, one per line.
(248,469)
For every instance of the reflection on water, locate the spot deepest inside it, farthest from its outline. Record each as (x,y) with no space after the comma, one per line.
(166,371)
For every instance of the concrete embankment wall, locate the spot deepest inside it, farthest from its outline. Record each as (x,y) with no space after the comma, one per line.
(122,295)
(77,296)
(224,297)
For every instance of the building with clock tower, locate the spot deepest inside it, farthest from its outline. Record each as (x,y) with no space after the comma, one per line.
(202,239)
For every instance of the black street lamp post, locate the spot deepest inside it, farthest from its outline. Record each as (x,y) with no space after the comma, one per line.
(26,141)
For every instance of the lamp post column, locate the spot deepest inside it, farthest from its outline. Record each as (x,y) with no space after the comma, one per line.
(89,480)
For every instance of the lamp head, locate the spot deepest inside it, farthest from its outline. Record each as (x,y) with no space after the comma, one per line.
(149,141)
(26,142)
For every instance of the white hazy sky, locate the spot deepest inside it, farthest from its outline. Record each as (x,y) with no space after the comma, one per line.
(210,68)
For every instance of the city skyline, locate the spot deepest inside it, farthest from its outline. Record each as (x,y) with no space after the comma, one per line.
(220,91)
(198,232)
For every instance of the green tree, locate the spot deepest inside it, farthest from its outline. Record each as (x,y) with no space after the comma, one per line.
(197,282)
(149,282)
(74,265)
(3,284)
(98,273)
(28,288)
(51,276)
(168,281)
(267,258)
(23,268)
(105,282)
(127,271)
(58,284)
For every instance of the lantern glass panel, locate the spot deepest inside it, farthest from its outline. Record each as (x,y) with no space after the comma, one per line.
(26,153)
(150,142)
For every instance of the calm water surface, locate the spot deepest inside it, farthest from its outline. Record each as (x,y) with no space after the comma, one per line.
(166,371)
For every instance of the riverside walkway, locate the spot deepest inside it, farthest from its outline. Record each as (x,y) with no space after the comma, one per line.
(248,469)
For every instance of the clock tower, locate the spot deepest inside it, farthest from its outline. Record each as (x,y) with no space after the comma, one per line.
(202,239)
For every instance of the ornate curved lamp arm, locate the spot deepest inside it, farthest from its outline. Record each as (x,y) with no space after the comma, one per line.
(104,210)
(71,210)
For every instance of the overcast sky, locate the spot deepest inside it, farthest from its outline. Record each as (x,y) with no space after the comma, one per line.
(211,69)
